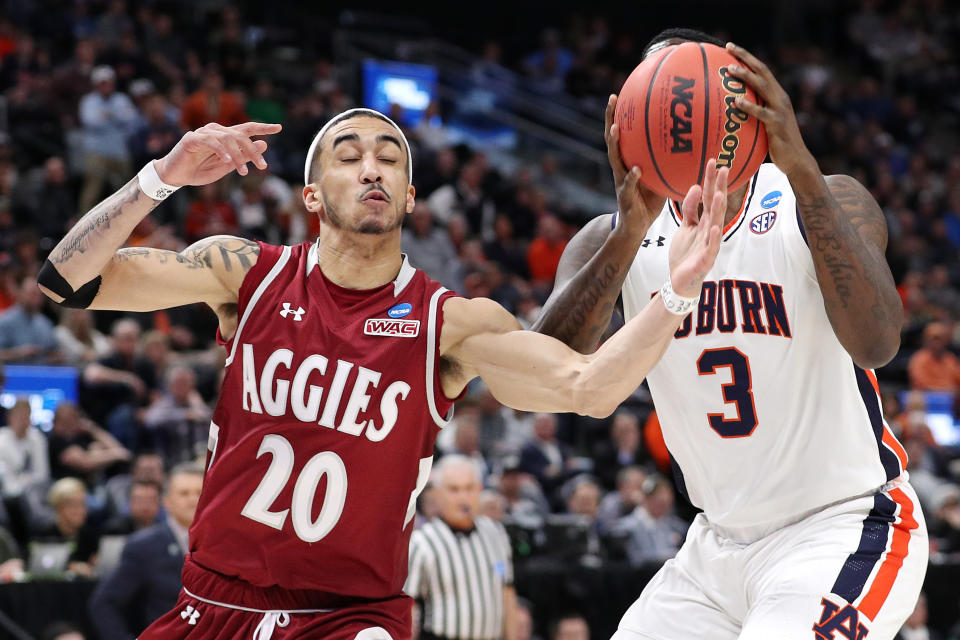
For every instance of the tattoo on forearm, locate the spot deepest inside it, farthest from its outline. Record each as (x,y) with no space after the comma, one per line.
(590,301)
(847,235)
(92,225)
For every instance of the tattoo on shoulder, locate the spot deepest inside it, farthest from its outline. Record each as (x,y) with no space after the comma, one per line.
(237,252)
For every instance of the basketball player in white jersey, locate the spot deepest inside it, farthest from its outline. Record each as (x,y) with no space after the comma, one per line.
(766,396)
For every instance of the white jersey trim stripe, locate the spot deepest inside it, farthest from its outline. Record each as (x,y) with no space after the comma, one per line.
(431,357)
(270,277)
(250,610)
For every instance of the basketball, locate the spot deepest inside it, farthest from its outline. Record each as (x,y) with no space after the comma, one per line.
(676,111)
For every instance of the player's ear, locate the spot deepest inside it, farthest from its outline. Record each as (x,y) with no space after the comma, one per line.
(312,199)
(411,193)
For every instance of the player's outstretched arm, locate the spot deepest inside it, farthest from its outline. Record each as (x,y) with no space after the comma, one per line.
(845,227)
(534,372)
(88,268)
(595,263)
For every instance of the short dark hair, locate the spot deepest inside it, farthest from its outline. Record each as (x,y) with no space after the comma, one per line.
(681,33)
(346,115)
(146,483)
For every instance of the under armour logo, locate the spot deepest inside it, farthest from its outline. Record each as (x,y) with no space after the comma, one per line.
(297,315)
(646,241)
(838,623)
(190,615)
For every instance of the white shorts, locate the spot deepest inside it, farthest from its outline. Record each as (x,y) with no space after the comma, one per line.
(853,569)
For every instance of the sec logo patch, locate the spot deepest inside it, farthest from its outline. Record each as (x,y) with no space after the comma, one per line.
(762,223)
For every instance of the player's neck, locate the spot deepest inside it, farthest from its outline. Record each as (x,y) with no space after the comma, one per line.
(358,261)
(734,202)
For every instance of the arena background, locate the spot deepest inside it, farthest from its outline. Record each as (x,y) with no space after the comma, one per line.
(503,106)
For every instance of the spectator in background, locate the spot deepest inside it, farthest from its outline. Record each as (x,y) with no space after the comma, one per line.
(466,441)
(945,529)
(44,199)
(211,103)
(107,117)
(79,341)
(68,497)
(71,79)
(156,135)
(265,105)
(466,197)
(526,504)
(915,628)
(114,23)
(78,447)
(146,583)
(933,367)
(570,626)
(505,249)
(210,214)
(146,468)
(26,335)
(544,457)
(921,465)
(622,502)
(179,420)
(523,629)
(23,452)
(492,505)
(144,508)
(655,533)
(430,249)
(117,385)
(544,252)
(622,450)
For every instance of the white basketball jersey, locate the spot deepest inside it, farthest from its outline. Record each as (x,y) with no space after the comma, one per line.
(762,409)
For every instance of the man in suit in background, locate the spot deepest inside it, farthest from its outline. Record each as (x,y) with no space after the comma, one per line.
(146,583)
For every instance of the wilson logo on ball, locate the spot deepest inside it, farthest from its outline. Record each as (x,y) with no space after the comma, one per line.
(734,118)
(682,123)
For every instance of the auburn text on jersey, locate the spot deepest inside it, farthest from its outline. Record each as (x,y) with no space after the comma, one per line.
(728,305)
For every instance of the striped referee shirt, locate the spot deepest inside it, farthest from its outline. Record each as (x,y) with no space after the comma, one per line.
(460,576)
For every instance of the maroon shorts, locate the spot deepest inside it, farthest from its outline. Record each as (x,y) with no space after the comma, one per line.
(201,620)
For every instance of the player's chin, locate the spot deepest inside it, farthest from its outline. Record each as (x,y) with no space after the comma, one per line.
(377,225)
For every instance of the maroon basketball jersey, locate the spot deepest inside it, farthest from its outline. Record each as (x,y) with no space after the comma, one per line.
(323,435)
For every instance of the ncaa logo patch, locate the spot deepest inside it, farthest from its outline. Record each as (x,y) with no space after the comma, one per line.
(391,328)
(400,310)
(762,223)
(771,200)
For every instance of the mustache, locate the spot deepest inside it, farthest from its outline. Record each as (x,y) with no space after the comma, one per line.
(375,187)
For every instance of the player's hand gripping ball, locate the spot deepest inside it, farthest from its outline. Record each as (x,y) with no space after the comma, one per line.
(677,110)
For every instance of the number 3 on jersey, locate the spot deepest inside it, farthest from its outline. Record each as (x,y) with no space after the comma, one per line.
(739,391)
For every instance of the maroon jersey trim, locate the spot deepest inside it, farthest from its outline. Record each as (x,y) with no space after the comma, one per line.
(270,277)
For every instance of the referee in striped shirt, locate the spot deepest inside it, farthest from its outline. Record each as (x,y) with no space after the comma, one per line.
(460,564)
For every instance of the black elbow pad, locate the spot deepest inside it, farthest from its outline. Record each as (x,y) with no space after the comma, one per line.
(51,279)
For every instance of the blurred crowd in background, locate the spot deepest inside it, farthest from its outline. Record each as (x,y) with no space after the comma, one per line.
(93,90)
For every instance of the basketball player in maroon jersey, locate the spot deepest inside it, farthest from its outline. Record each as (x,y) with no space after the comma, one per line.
(343,363)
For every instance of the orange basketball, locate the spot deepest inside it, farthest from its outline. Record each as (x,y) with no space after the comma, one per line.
(677,110)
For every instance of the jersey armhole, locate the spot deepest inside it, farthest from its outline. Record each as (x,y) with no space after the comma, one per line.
(796,244)
(270,262)
(441,407)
